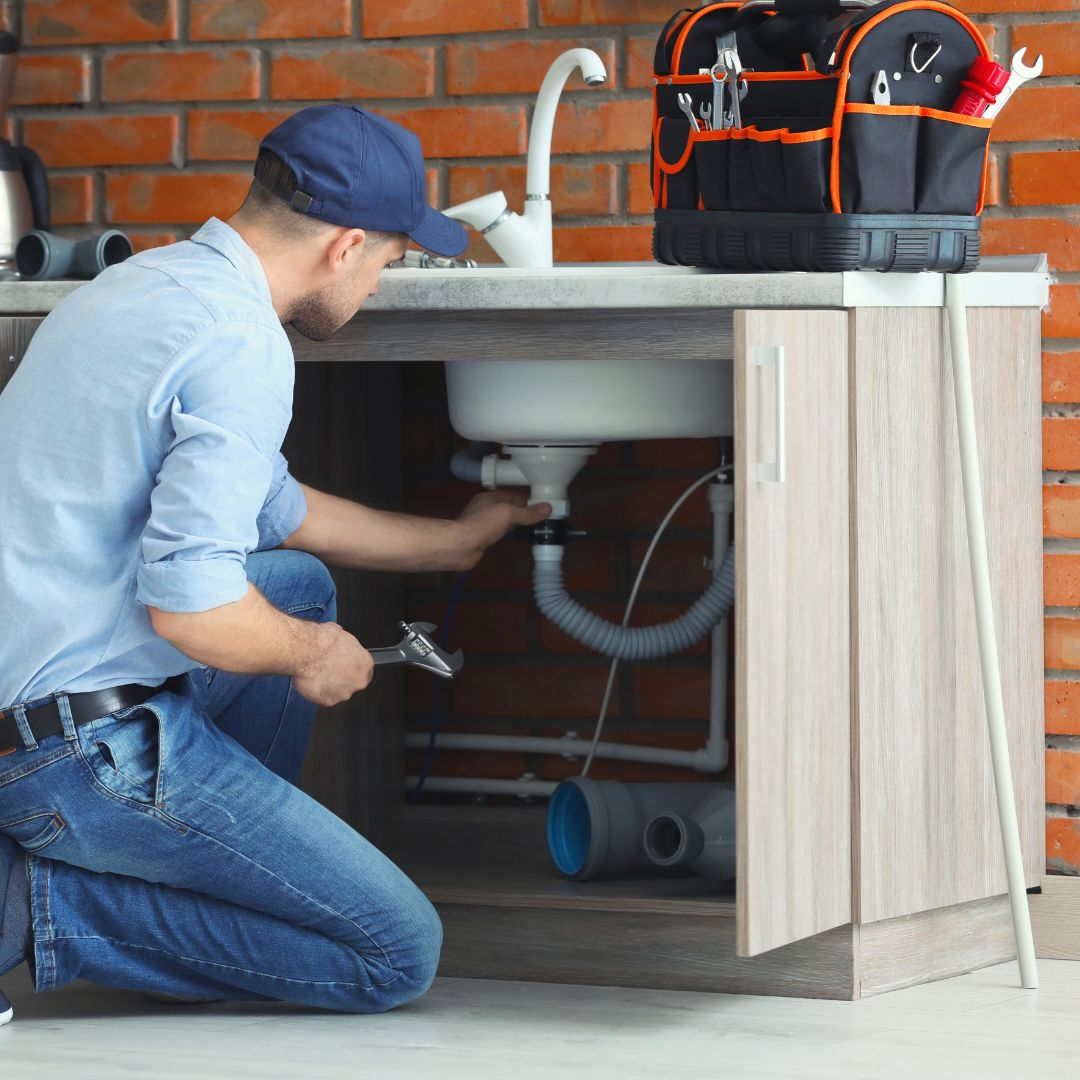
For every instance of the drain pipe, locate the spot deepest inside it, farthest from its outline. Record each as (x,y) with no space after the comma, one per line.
(629,642)
(712,758)
(481,464)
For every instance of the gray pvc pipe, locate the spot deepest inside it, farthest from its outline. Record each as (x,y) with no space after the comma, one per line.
(632,642)
(42,256)
(606,828)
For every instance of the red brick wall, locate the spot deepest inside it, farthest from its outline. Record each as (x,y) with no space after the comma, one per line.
(135,103)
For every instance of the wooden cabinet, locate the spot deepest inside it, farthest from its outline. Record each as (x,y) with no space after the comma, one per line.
(868,845)
(864,785)
(868,851)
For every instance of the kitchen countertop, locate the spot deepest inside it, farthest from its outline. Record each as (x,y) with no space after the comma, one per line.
(1007,282)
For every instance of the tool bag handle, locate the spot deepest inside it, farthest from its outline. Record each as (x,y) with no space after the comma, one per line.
(661,61)
(798,25)
(797,9)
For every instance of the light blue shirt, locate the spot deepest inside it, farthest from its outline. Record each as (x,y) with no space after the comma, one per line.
(140,463)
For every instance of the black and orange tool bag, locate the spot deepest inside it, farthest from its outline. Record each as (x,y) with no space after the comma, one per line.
(845,155)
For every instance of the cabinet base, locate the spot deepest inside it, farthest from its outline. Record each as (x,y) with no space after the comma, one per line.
(739,241)
(507,914)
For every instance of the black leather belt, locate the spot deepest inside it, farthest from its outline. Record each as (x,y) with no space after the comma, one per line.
(44,719)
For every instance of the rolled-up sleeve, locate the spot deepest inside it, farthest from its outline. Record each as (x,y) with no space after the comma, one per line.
(218,412)
(285,507)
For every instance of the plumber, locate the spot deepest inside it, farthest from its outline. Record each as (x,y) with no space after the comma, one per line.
(167,623)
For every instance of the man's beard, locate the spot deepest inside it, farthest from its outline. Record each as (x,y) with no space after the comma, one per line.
(315,316)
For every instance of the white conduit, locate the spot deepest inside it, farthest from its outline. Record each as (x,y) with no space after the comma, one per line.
(467,786)
(984,618)
(702,760)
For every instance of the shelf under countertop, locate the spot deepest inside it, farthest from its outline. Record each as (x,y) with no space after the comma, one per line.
(498,856)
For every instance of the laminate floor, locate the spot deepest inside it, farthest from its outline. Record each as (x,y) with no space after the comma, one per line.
(977,1025)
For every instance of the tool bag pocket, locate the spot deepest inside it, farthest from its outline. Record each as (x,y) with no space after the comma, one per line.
(770,171)
(906,159)
(675,185)
(952,163)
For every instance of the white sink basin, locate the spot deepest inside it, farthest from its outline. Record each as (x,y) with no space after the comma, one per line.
(574,402)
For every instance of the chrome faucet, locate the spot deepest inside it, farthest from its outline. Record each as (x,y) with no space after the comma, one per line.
(525,240)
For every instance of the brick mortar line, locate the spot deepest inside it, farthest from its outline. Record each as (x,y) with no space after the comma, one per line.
(264,61)
(573,95)
(1009,19)
(1000,20)
(1009,213)
(1030,146)
(201,165)
(569,34)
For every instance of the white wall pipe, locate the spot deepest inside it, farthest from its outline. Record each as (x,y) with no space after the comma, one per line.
(467,786)
(984,619)
(702,760)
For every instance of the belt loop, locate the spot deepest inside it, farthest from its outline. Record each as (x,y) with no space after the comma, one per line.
(24,727)
(63,705)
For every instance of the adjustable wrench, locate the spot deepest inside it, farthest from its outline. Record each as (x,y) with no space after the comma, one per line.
(736,90)
(1019,73)
(419,649)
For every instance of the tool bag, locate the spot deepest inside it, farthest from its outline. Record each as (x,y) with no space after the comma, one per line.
(817,176)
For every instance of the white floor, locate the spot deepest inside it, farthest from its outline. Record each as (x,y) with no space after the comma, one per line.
(978,1025)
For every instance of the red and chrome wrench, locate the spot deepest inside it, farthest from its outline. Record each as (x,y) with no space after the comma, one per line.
(1020,73)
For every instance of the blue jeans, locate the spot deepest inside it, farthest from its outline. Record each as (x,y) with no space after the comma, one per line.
(170,850)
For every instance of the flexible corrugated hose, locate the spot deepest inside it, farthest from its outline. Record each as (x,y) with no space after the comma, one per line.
(633,642)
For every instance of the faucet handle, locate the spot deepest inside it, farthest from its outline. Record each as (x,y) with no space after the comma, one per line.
(480,213)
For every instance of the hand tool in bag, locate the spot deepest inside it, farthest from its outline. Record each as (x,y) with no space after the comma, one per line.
(418,648)
(1020,74)
(736,89)
(706,115)
(686,104)
(985,80)
(880,89)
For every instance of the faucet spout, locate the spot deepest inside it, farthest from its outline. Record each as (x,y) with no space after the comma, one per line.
(525,239)
(538,170)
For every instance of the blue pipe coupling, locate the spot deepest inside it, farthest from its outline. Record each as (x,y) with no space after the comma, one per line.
(605,828)
(41,256)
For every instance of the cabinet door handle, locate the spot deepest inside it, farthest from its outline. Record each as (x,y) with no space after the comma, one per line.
(775,471)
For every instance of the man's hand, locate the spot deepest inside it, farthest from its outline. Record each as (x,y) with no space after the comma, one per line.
(489,517)
(340,668)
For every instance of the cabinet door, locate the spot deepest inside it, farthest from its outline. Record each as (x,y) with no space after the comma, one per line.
(793,741)
(927,823)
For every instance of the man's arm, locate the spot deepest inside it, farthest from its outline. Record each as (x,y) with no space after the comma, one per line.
(249,636)
(347,534)
(327,663)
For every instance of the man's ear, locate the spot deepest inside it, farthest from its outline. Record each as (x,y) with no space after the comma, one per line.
(347,245)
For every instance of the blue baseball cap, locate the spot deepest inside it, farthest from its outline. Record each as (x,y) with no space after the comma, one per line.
(358,169)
